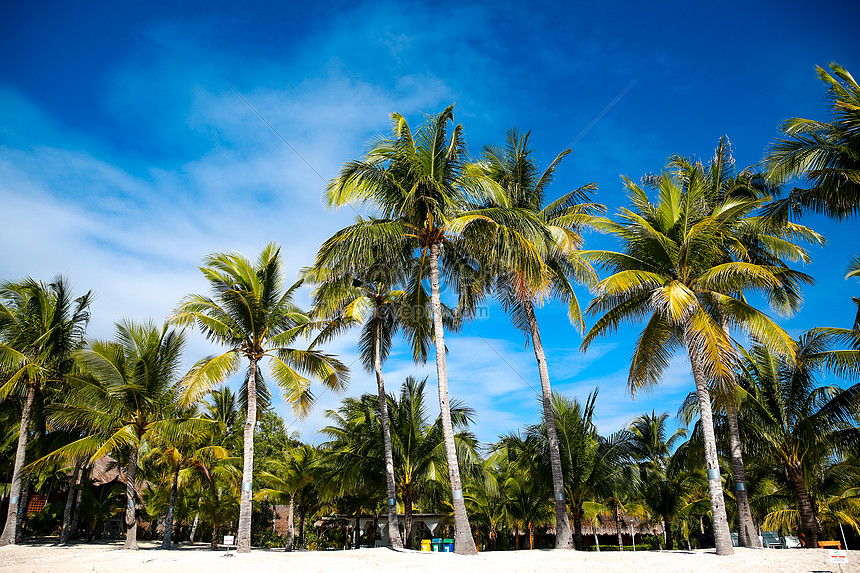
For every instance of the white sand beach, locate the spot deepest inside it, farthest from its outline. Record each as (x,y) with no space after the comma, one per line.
(109,557)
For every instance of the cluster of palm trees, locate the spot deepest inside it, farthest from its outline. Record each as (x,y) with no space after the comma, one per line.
(699,246)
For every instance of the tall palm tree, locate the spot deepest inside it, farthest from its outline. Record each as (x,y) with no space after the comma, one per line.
(123,397)
(798,423)
(673,269)
(41,326)
(426,200)
(759,240)
(253,316)
(515,171)
(369,298)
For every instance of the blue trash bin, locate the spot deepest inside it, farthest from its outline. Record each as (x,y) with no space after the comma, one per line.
(448,546)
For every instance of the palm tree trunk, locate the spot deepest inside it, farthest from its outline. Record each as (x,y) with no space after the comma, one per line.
(213,545)
(243,541)
(517,533)
(596,542)
(746,530)
(302,528)
(531,536)
(407,512)
(618,531)
(463,541)
(722,538)
(667,533)
(563,538)
(577,527)
(746,526)
(393,530)
(808,520)
(131,504)
(12,517)
(288,544)
(194,525)
(76,515)
(70,502)
(26,490)
(168,523)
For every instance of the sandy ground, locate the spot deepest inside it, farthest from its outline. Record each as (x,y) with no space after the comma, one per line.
(109,557)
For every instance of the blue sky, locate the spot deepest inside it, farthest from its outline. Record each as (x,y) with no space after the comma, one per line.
(125,157)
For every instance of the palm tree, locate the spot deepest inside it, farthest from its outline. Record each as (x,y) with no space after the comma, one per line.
(427,202)
(762,241)
(673,268)
(122,398)
(283,480)
(799,424)
(515,170)
(368,298)
(252,315)
(826,153)
(41,326)
(649,445)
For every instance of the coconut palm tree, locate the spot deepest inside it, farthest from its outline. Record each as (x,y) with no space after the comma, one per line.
(369,298)
(41,326)
(124,396)
(419,186)
(798,423)
(825,153)
(673,269)
(648,443)
(515,171)
(253,316)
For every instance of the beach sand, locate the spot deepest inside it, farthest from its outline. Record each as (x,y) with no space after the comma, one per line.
(109,557)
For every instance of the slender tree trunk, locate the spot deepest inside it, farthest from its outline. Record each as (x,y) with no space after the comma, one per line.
(577,527)
(746,526)
(288,544)
(808,520)
(168,523)
(26,490)
(194,525)
(371,541)
(357,531)
(531,536)
(722,538)
(76,515)
(618,531)
(70,502)
(302,528)
(131,503)
(12,517)
(391,489)
(407,513)
(667,533)
(517,534)
(463,541)
(563,538)
(596,542)
(213,545)
(243,541)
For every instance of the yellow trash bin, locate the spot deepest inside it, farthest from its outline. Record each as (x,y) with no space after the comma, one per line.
(425,545)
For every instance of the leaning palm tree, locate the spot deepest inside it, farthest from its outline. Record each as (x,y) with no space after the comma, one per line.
(122,398)
(515,171)
(799,424)
(427,202)
(253,316)
(673,269)
(41,326)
